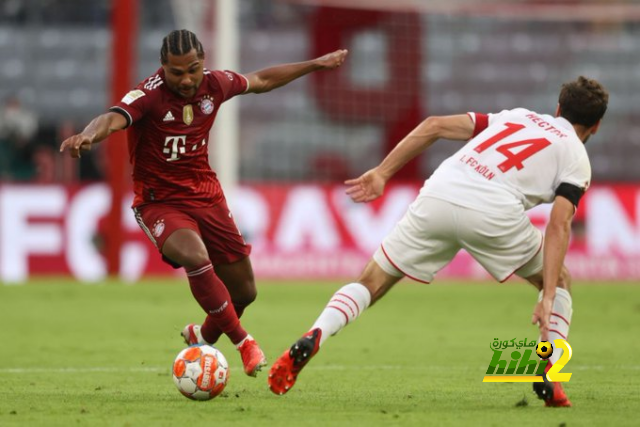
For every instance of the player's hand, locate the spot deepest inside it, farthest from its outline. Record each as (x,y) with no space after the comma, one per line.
(367,187)
(332,60)
(541,316)
(75,144)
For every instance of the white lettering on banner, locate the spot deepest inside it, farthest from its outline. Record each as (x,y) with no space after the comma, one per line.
(83,258)
(368,227)
(305,265)
(306,222)
(18,238)
(49,229)
(84,261)
(609,228)
(603,267)
(251,212)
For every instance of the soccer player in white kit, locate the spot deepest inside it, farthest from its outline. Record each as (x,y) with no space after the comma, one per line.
(476,200)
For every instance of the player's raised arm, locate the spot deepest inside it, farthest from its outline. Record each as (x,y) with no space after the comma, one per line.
(459,128)
(274,77)
(98,129)
(370,185)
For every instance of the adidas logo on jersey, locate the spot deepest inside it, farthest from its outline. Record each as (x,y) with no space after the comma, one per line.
(168,117)
(153,82)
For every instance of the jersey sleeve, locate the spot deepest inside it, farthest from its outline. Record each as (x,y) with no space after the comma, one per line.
(231,83)
(480,121)
(134,105)
(577,174)
(483,121)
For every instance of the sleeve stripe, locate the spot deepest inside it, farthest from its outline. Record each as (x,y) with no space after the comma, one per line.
(481,121)
(124,112)
(248,85)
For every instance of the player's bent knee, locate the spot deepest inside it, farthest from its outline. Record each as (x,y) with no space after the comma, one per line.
(193,261)
(565,279)
(247,296)
(535,280)
(185,247)
(188,259)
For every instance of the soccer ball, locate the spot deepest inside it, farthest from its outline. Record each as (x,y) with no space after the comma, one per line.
(200,372)
(544,349)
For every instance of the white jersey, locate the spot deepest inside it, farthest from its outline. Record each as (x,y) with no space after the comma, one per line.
(516,160)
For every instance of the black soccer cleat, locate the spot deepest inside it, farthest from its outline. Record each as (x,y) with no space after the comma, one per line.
(552,393)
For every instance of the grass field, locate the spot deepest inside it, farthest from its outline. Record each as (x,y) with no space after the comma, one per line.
(101,355)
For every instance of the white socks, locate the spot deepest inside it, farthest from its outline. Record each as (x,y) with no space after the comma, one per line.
(560,320)
(343,307)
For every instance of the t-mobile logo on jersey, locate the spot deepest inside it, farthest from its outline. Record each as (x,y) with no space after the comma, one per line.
(174,145)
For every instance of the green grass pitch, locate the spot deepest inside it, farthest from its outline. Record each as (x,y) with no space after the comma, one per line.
(101,355)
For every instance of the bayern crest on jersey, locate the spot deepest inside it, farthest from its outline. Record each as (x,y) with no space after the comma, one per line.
(206,106)
(158,228)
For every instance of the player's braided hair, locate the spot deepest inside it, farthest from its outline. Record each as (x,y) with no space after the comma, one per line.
(583,101)
(180,42)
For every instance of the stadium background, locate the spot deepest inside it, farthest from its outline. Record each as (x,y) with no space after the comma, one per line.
(297,144)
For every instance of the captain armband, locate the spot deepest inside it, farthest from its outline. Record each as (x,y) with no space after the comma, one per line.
(571,192)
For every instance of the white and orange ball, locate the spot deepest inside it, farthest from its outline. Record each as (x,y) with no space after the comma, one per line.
(200,372)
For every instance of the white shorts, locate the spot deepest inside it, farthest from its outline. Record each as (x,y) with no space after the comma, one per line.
(433,231)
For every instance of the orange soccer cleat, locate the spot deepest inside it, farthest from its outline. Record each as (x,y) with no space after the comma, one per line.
(253,358)
(552,393)
(285,370)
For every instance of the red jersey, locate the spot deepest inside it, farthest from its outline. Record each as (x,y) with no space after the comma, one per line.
(168,138)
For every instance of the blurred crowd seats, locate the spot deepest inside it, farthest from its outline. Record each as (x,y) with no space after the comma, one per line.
(56,66)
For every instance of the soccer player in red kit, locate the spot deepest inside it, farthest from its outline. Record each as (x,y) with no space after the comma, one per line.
(178,200)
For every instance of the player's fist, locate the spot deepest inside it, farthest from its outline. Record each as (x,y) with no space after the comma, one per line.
(75,144)
(332,60)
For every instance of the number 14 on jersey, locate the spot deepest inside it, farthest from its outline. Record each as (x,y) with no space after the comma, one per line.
(513,158)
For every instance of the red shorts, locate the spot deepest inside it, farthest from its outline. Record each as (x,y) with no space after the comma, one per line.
(214,224)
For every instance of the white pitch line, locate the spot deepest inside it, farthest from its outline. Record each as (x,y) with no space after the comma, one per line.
(160,369)
(168,370)
(80,370)
(426,368)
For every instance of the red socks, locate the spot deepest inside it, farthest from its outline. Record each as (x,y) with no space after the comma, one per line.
(213,297)
(210,330)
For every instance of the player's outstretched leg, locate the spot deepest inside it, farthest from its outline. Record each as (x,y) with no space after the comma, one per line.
(285,370)
(253,358)
(551,392)
(344,307)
